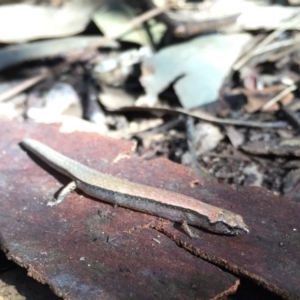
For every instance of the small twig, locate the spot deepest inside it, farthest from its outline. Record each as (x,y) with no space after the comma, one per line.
(269,38)
(194,165)
(227,156)
(139,20)
(167,126)
(276,46)
(84,53)
(205,117)
(156,240)
(15,90)
(279,96)
(283,53)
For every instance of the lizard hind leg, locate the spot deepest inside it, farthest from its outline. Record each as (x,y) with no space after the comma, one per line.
(63,193)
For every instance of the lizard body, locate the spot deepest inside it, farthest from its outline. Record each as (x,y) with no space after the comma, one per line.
(155,201)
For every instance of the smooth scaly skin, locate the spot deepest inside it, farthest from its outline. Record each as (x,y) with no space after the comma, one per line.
(163,203)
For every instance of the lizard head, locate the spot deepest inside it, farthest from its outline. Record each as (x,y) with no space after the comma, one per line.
(230,223)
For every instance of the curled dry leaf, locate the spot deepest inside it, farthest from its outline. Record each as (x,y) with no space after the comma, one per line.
(16,54)
(254,177)
(289,147)
(25,21)
(236,137)
(198,66)
(60,98)
(206,137)
(257,99)
(290,182)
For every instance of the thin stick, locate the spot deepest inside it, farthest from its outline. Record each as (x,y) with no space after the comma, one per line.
(15,90)
(269,38)
(205,117)
(276,46)
(279,96)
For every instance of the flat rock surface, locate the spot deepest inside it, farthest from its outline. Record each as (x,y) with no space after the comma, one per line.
(87,249)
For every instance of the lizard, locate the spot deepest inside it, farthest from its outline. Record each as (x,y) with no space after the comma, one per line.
(151,200)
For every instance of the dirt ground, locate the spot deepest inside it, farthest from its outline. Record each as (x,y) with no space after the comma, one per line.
(16,285)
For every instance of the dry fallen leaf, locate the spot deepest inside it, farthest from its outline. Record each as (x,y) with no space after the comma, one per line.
(25,21)
(198,65)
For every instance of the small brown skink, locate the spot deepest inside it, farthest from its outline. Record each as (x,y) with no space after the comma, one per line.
(159,202)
